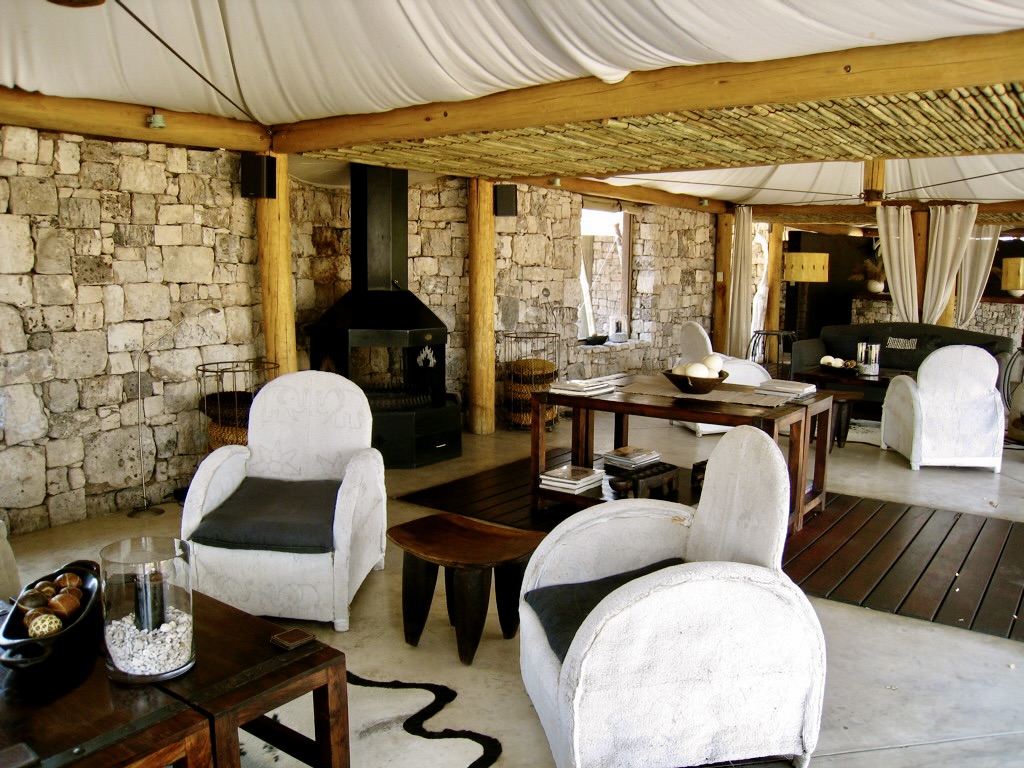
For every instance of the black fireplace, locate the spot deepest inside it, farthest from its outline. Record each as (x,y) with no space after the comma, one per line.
(382,337)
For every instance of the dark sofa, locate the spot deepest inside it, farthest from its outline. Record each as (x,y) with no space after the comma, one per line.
(904,346)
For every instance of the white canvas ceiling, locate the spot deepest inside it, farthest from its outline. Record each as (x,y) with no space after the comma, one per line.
(283,62)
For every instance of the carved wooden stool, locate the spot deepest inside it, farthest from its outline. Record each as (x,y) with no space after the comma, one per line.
(467,549)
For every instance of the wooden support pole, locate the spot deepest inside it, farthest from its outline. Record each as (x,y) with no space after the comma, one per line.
(480,215)
(273,240)
(919,224)
(723,270)
(874,181)
(773,278)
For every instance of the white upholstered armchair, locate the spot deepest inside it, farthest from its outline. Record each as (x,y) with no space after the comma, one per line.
(291,524)
(952,415)
(654,634)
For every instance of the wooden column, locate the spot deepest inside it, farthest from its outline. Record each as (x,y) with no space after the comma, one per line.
(772,321)
(919,224)
(723,269)
(480,215)
(273,240)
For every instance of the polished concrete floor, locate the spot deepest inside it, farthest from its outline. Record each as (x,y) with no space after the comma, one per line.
(900,692)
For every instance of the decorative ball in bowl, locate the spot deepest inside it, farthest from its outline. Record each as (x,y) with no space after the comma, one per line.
(695,385)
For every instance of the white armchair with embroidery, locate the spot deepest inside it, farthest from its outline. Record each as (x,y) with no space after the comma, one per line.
(291,524)
(656,634)
(951,415)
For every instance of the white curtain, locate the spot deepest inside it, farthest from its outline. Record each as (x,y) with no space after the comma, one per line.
(974,271)
(896,235)
(740,288)
(950,229)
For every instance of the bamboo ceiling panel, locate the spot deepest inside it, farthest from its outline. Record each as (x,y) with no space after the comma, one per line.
(961,121)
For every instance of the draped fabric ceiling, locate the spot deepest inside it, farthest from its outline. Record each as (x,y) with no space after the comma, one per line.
(772,103)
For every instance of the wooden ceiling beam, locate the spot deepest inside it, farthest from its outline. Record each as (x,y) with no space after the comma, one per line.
(93,117)
(974,60)
(629,194)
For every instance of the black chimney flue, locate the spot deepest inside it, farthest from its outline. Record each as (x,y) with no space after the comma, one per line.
(380,234)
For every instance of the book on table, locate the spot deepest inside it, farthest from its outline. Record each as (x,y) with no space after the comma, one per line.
(631,457)
(571,478)
(785,387)
(581,387)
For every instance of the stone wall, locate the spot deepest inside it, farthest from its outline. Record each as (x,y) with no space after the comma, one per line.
(110,250)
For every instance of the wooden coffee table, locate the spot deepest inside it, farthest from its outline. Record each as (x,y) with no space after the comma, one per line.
(86,720)
(239,676)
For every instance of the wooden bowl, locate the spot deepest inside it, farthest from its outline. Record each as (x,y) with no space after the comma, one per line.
(692,385)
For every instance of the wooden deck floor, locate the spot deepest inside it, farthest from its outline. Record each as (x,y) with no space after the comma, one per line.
(952,568)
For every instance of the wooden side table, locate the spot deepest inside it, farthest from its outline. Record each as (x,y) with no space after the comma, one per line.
(468,549)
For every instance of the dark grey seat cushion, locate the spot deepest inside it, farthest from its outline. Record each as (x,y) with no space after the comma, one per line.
(277,515)
(561,608)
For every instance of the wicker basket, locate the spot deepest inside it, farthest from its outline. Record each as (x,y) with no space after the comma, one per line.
(218,435)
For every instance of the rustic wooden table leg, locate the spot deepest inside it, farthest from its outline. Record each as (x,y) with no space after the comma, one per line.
(330,719)
(621,436)
(418,581)
(798,441)
(538,449)
(226,749)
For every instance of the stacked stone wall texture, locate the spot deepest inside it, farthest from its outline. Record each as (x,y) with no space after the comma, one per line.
(104,248)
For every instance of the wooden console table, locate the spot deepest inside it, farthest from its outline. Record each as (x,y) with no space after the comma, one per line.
(810,416)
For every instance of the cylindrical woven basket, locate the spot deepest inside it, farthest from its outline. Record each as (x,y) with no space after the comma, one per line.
(218,435)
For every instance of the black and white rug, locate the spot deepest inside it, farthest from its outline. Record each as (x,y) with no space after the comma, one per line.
(387,727)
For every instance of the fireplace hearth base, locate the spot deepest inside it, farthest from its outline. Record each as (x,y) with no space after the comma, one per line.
(415,438)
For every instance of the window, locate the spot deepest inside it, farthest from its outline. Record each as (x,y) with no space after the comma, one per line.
(604,269)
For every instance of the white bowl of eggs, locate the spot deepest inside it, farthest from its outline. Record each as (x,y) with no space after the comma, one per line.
(698,378)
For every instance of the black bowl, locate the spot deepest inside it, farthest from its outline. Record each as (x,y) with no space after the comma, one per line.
(694,385)
(594,341)
(79,639)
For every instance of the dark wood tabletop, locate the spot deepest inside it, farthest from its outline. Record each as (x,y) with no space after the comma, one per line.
(68,712)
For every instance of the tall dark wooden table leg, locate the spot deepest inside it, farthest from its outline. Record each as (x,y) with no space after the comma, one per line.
(472,587)
(418,581)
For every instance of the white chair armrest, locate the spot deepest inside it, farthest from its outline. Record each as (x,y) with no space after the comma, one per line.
(609,538)
(217,477)
(727,642)
(902,414)
(361,489)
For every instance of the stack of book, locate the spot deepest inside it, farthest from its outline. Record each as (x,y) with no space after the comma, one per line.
(785,387)
(630,457)
(571,479)
(584,387)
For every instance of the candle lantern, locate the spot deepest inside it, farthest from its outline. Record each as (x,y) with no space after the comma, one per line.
(147,608)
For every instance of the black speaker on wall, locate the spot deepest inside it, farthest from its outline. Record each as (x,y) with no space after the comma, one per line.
(259,175)
(505,200)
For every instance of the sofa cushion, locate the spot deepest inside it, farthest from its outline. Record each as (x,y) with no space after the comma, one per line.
(562,608)
(276,515)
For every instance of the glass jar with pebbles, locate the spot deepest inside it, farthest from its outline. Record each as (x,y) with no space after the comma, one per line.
(147,609)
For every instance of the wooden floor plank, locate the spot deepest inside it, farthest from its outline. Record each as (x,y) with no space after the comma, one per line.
(834,571)
(832,540)
(1002,601)
(926,597)
(972,580)
(901,578)
(856,587)
(818,525)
